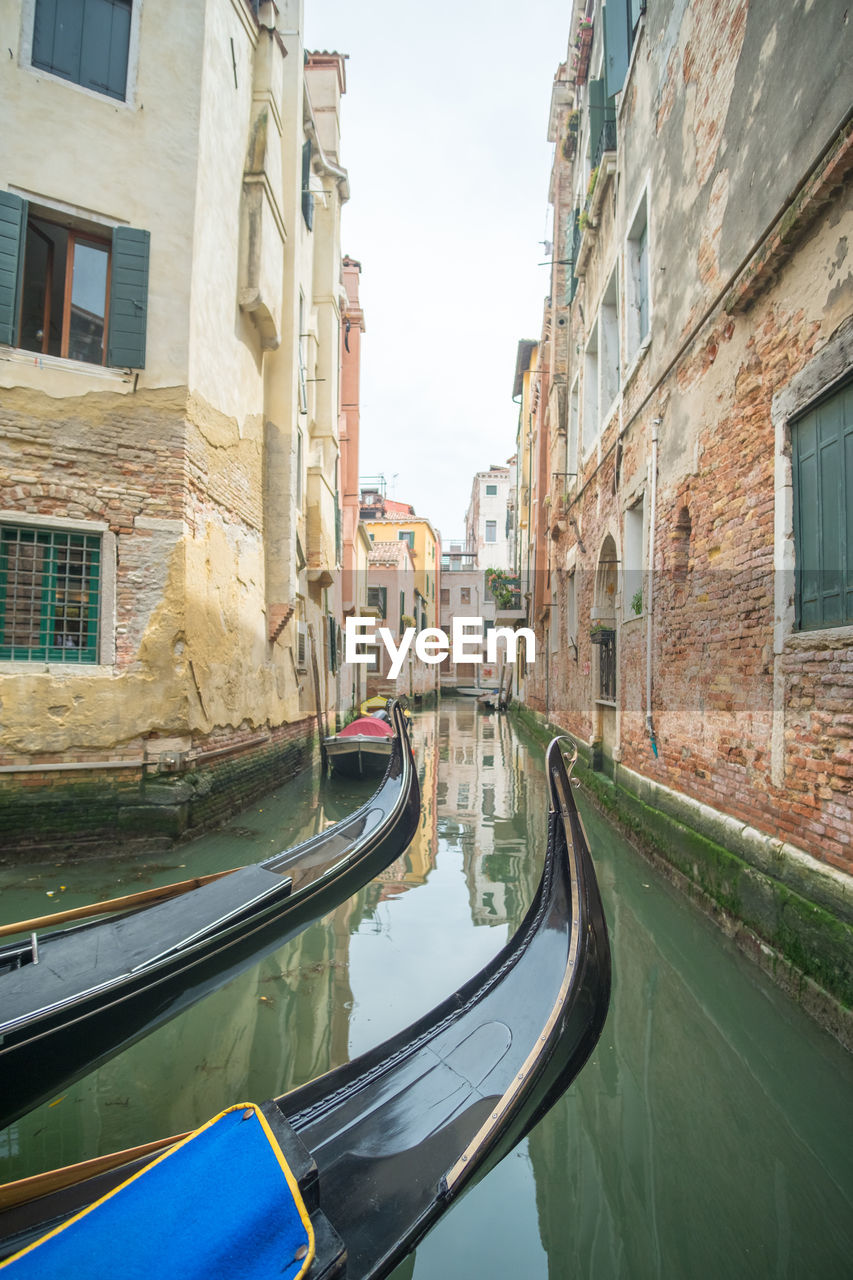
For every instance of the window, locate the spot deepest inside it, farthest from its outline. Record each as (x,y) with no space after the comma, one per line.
(572,614)
(86,42)
(50,592)
(408,537)
(632,554)
(491,531)
(464,595)
(590,391)
(637,283)
(609,336)
(307,194)
(402,611)
(377,599)
(491,490)
(572,442)
(74,291)
(607,667)
(822,460)
(300,349)
(445,595)
(300,466)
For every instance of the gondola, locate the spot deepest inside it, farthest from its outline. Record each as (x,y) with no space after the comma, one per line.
(72,998)
(362,748)
(376,1150)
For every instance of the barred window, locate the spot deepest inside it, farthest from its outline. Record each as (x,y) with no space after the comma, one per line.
(50,594)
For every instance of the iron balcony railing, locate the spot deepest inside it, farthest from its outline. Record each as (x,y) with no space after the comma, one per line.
(606,141)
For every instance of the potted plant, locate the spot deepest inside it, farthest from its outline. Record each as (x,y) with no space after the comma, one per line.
(600,633)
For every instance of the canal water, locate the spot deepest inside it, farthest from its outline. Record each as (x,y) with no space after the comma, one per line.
(711,1133)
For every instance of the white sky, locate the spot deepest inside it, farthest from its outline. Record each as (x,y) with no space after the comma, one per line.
(444,135)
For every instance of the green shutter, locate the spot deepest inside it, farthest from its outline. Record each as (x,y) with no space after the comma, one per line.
(617,45)
(822,457)
(58,37)
(13,225)
(128,299)
(106,38)
(596,115)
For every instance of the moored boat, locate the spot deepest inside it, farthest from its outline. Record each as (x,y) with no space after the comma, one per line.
(73,997)
(362,748)
(372,1153)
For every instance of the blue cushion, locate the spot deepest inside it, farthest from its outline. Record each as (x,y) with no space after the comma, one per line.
(223,1202)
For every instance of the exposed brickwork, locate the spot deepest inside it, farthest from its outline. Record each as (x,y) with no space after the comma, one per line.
(749,717)
(79,813)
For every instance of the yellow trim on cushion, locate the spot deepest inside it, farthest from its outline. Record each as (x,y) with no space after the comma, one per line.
(279,1154)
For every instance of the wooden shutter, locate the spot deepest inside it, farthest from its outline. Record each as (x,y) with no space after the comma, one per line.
(822,457)
(596,115)
(106,38)
(13,225)
(85,41)
(128,298)
(58,37)
(617,45)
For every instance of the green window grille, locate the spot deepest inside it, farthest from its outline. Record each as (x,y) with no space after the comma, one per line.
(822,459)
(50,590)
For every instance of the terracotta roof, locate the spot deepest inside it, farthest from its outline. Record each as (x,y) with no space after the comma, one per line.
(395,554)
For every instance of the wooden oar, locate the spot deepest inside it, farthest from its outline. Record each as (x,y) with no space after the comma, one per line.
(141,899)
(42,1184)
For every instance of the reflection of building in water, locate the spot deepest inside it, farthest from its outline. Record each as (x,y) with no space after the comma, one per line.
(477,792)
(413,866)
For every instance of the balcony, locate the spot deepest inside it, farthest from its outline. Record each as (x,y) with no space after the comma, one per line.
(606,142)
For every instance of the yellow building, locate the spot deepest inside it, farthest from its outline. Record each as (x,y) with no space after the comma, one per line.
(425,546)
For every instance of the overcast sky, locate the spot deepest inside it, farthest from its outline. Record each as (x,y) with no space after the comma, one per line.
(444,135)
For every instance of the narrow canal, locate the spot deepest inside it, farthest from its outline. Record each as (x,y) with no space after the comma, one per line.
(711,1134)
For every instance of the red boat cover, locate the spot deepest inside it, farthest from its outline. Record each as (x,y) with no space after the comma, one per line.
(368,727)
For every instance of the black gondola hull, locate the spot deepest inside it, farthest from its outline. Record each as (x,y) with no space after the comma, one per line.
(53,1044)
(398,1133)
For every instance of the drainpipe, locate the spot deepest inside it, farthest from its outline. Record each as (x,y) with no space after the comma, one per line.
(650,609)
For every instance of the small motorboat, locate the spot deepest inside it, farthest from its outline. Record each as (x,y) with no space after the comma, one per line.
(343,1176)
(73,997)
(363,747)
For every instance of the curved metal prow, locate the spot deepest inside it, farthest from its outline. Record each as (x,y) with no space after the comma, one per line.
(560,774)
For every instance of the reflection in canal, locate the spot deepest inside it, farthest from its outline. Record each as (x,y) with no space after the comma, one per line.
(710,1133)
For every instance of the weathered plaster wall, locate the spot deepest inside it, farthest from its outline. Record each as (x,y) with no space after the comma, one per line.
(154,133)
(749,718)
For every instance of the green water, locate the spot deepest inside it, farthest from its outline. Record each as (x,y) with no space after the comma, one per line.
(711,1134)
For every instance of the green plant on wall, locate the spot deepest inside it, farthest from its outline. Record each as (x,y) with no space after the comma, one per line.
(637,601)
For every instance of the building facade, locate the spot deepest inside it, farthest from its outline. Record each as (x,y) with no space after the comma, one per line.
(170,303)
(486,526)
(425,545)
(690,434)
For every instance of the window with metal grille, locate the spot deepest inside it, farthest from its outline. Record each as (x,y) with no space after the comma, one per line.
(607,668)
(50,590)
